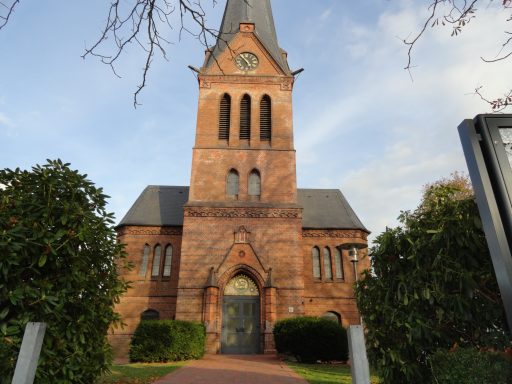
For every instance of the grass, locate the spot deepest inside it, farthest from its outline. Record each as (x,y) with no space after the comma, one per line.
(138,373)
(325,373)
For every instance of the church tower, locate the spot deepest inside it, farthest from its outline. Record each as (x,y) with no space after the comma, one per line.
(241,247)
(242,222)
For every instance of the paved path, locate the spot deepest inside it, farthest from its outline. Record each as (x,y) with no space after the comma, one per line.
(234,369)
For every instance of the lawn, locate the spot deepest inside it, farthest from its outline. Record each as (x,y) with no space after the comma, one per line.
(325,373)
(138,373)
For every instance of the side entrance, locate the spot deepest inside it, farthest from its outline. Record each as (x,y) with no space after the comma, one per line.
(241,317)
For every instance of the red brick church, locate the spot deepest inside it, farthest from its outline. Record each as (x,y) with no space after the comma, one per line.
(241,247)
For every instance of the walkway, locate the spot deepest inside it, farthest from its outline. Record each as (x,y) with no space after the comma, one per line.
(234,369)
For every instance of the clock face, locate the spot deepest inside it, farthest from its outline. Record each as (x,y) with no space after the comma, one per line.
(246,61)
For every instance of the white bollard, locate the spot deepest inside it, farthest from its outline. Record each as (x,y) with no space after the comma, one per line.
(29,353)
(358,359)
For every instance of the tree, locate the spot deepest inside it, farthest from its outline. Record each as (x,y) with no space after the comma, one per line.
(457,14)
(141,22)
(58,264)
(432,286)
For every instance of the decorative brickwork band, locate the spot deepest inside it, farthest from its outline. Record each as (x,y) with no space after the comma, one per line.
(286,83)
(335,233)
(173,231)
(285,213)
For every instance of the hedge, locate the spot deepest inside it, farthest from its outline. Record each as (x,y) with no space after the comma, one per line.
(167,340)
(311,338)
(469,366)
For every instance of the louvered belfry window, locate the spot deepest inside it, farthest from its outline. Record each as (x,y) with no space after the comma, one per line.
(245,118)
(265,119)
(225,117)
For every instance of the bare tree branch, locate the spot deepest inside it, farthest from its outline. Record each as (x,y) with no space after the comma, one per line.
(9,9)
(145,23)
(457,14)
(499,104)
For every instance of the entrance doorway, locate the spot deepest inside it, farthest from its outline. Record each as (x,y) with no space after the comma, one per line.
(241,317)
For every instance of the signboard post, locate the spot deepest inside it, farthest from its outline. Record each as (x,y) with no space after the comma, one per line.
(487,144)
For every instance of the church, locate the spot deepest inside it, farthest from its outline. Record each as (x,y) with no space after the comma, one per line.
(242,246)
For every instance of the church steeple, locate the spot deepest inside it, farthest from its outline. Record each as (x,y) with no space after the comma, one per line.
(257,13)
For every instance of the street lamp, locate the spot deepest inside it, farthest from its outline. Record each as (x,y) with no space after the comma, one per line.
(353,251)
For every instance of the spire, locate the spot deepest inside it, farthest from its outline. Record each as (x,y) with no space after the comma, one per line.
(258,12)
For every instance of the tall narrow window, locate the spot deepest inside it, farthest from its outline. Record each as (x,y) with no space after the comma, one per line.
(144,263)
(156,261)
(315,255)
(225,117)
(245,118)
(338,263)
(232,183)
(265,119)
(327,264)
(254,183)
(167,261)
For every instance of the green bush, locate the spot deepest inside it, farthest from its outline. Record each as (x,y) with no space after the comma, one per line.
(59,262)
(311,338)
(469,366)
(167,340)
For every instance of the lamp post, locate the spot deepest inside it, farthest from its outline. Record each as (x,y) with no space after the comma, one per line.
(359,361)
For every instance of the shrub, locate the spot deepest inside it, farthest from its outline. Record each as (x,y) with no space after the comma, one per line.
(59,263)
(469,366)
(310,339)
(167,340)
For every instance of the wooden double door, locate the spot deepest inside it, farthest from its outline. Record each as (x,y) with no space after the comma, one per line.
(240,325)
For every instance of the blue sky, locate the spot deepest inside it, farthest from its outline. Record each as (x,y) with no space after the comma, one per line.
(361,124)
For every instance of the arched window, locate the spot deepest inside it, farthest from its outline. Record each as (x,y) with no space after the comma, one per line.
(315,255)
(150,314)
(265,119)
(245,118)
(156,261)
(225,117)
(338,264)
(167,261)
(232,183)
(144,263)
(333,316)
(327,263)
(254,183)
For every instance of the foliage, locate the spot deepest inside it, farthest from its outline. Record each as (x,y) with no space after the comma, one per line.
(58,265)
(468,366)
(325,373)
(432,286)
(138,373)
(311,338)
(167,340)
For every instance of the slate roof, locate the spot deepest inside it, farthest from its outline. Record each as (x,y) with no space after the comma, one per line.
(163,206)
(258,12)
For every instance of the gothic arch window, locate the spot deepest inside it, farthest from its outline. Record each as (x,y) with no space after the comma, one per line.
(167,261)
(232,183)
(338,264)
(327,263)
(265,118)
(144,262)
(245,118)
(157,255)
(150,314)
(333,316)
(315,256)
(225,117)
(254,183)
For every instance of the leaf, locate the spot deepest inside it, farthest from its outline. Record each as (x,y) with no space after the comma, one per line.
(42,260)
(4,313)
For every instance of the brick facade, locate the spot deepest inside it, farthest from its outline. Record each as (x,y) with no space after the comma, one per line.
(225,235)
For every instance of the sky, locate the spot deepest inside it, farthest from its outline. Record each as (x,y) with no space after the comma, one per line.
(361,122)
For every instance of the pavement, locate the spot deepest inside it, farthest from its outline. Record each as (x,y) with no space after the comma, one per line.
(234,369)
